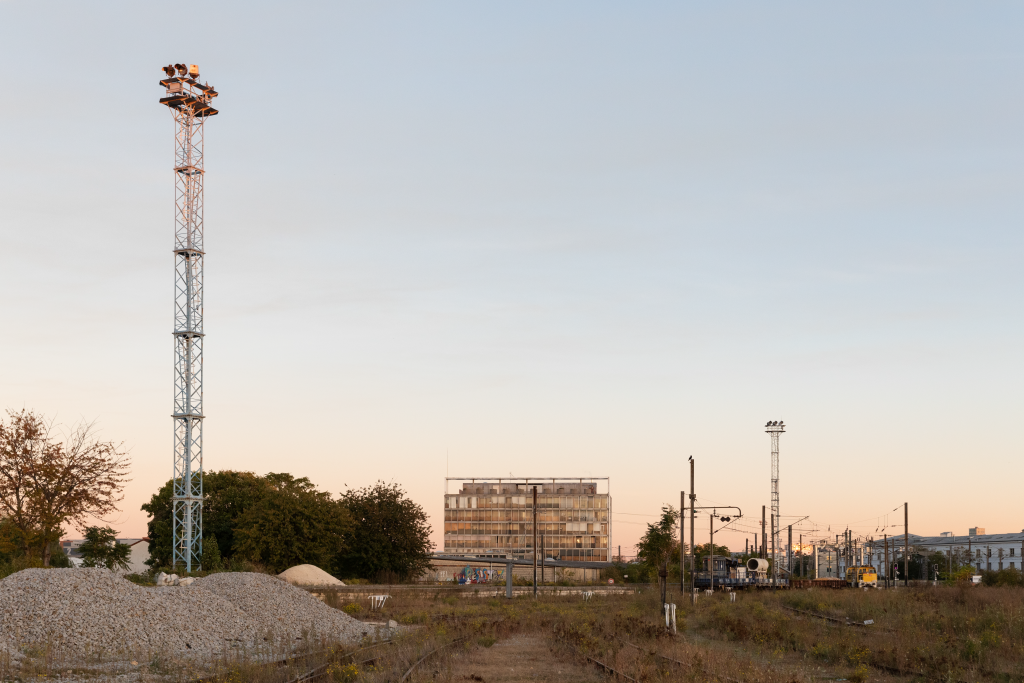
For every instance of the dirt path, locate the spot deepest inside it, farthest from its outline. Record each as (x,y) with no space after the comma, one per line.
(520,658)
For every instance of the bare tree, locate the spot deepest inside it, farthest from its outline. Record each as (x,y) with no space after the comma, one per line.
(48,482)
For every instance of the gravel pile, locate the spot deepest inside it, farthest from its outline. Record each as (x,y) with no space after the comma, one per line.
(275,605)
(308,575)
(94,611)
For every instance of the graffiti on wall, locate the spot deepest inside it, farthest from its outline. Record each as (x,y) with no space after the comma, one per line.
(473,575)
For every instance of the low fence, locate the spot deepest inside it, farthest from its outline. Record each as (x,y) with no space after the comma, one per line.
(817,583)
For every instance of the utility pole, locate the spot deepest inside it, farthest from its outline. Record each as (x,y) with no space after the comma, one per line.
(764,535)
(802,573)
(711,561)
(535,541)
(542,558)
(682,542)
(888,569)
(906,546)
(789,552)
(775,564)
(693,513)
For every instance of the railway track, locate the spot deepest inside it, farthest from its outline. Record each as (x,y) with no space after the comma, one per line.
(691,667)
(323,670)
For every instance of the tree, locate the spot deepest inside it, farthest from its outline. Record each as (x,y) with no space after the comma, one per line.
(22,438)
(292,524)
(388,533)
(658,545)
(101,549)
(211,558)
(46,483)
(702,551)
(228,495)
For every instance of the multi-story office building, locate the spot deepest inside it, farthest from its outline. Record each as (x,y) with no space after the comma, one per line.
(493,517)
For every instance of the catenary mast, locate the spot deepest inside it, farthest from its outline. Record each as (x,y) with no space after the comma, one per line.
(189,103)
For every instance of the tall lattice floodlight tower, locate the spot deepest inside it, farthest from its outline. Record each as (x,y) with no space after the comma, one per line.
(189,102)
(774,429)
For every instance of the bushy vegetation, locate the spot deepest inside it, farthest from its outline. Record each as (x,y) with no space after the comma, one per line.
(276,521)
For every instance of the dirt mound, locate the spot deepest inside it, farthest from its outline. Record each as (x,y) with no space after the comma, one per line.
(308,575)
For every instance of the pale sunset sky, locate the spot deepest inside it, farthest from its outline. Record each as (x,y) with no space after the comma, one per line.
(535,238)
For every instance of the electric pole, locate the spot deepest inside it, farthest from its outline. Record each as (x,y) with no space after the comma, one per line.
(764,535)
(682,542)
(535,541)
(906,546)
(693,513)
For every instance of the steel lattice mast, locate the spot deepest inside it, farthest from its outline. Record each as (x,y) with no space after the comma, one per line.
(774,429)
(189,102)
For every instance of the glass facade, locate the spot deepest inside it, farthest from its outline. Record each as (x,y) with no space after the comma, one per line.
(496,519)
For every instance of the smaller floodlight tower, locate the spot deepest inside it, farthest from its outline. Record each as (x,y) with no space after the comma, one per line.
(774,429)
(189,102)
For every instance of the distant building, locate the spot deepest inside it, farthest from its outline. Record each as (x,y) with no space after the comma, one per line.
(136,560)
(493,517)
(987,551)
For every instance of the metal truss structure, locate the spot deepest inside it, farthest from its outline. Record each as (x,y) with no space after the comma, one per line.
(189,102)
(774,429)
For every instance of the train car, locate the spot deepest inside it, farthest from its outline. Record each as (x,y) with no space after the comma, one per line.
(861,577)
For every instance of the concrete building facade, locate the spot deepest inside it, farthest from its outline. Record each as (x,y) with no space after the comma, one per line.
(493,517)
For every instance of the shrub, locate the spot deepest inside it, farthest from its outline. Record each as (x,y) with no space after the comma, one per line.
(211,559)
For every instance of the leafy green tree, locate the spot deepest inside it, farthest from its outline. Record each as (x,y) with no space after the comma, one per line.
(292,524)
(702,551)
(228,495)
(658,545)
(211,559)
(101,549)
(388,533)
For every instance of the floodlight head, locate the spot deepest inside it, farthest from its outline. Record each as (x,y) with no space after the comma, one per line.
(169,70)
(193,70)
(182,69)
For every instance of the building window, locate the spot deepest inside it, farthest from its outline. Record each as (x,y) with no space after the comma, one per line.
(1011,551)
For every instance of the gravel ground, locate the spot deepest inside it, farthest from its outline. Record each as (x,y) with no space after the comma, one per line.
(81,613)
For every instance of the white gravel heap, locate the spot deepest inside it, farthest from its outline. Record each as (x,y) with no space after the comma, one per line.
(308,575)
(275,605)
(95,611)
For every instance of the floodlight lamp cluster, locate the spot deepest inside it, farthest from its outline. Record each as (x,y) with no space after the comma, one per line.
(777,423)
(191,70)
